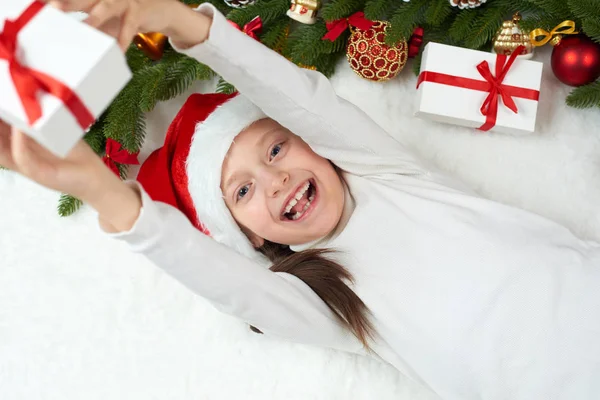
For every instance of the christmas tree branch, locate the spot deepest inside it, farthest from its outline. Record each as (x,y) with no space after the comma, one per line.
(379,9)
(225,87)
(437,12)
(68,205)
(585,96)
(337,9)
(268,10)
(403,22)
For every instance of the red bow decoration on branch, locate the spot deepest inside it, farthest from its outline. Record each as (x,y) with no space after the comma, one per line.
(28,81)
(492,84)
(115,153)
(252,28)
(415,42)
(335,28)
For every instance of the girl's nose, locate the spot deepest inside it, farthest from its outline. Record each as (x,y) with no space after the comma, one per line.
(279,181)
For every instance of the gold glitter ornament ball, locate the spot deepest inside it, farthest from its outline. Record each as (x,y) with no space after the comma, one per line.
(371,58)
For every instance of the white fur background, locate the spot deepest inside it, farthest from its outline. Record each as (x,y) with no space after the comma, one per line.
(81,318)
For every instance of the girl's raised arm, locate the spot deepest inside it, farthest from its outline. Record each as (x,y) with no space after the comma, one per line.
(301,100)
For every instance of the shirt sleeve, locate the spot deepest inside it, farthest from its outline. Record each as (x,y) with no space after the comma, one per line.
(279,304)
(303,101)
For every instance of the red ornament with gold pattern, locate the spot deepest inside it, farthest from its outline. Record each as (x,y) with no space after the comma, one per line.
(371,58)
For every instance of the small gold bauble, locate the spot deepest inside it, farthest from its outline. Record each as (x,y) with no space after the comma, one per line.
(304,11)
(151,43)
(510,36)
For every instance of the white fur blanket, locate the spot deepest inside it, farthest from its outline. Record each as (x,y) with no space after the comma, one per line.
(81,318)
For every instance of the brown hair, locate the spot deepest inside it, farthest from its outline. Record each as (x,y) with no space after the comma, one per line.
(328,280)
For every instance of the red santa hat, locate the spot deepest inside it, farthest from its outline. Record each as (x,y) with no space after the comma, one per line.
(186,171)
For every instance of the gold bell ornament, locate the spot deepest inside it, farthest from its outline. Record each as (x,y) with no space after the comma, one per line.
(304,11)
(152,44)
(510,36)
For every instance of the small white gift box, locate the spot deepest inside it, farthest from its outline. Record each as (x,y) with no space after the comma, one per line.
(58,65)
(454,84)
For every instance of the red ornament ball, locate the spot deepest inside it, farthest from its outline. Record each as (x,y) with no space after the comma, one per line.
(576,60)
(371,58)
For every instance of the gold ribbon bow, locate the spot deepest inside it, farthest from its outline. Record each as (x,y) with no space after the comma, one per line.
(564,28)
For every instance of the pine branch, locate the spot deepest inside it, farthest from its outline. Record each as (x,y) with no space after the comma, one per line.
(416,67)
(275,34)
(136,59)
(583,9)
(485,26)
(591,27)
(95,136)
(326,63)
(268,10)
(585,96)
(403,22)
(125,121)
(337,9)
(306,45)
(225,87)
(436,13)
(379,9)
(557,8)
(68,205)
(463,24)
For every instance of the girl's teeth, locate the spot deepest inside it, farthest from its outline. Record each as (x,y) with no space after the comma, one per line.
(300,213)
(290,205)
(297,197)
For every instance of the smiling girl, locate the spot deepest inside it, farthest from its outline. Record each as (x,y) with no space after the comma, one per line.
(289,208)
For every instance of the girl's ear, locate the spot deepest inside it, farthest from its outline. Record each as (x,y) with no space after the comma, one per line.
(256,240)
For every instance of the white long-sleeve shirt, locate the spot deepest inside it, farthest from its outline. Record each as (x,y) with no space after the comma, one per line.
(475,299)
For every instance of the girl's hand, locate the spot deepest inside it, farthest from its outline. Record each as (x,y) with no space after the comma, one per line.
(81,174)
(123,19)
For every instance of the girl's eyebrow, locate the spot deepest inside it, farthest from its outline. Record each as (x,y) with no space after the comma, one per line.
(230,180)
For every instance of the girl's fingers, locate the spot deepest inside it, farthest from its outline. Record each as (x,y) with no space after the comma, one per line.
(6,159)
(105,10)
(28,157)
(129,28)
(72,5)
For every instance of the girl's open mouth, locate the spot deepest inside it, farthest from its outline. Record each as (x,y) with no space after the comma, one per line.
(301,202)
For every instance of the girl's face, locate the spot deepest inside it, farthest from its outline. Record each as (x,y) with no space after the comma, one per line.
(278,189)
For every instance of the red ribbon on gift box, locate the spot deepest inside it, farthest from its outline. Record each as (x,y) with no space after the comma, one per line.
(115,153)
(252,28)
(492,84)
(335,28)
(28,81)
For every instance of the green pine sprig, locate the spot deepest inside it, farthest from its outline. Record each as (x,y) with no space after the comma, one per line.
(225,87)
(585,96)
(379,9)
(68,205)
(337,9)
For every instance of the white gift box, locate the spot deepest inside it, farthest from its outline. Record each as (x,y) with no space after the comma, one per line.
(461,106)
(84,59)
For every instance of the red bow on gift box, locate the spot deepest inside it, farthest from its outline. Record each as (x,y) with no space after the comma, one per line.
(492,84)
(28,81)
(252,28)
(335,28)
(115,153)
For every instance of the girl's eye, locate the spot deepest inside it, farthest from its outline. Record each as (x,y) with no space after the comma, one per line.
(243,191)
(276,149)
